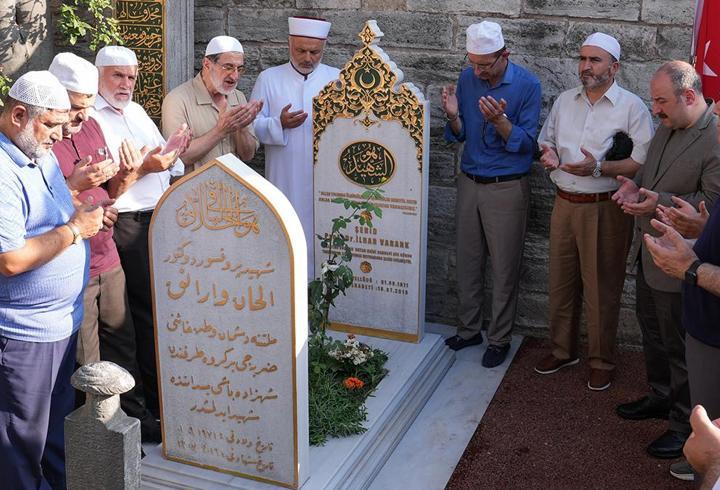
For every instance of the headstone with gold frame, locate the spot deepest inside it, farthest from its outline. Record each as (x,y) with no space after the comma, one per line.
(371,130)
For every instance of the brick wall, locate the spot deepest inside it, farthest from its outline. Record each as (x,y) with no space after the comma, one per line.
(426,39)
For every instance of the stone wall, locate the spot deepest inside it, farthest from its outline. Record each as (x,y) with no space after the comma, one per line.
(25,43)
(426,38)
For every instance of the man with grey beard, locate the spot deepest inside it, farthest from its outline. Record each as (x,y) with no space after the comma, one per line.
(43,271)
(210,104)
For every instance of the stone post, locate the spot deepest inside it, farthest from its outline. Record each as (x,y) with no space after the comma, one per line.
(102,444)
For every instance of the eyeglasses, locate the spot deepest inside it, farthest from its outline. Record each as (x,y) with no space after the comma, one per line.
(230,68)
(481,66)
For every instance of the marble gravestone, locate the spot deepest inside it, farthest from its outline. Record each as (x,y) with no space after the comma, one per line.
(230,305)
(371,131)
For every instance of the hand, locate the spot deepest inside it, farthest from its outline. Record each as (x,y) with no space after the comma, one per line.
(290,120)
(646,205)
(87,175)
(683,217)
(247,113)
(702,449)
(549,158)
(155,161)
(491,109)
(627,192)
(178,141)
(88,218)
(670,252)
(110,214)
(584,167)
(130,157)
(450,102)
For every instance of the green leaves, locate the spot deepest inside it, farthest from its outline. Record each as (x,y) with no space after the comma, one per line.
(96,21)
(5,84)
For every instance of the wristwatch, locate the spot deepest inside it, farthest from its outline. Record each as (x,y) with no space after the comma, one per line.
(598,169)
(691,274)
(77,237)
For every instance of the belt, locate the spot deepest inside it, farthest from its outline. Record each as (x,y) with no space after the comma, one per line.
(478,179)
(136,215)
(584,198)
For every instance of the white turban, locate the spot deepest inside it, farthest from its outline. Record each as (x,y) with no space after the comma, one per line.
(608,43)
(116,56)
(484,38)
(308,27)
(75,74)
(223,44)
(40,89)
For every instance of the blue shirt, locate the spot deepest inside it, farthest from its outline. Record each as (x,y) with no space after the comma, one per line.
(44,304)
(701,309)
(486,153)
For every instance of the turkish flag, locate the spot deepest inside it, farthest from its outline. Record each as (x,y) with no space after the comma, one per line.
(707,46)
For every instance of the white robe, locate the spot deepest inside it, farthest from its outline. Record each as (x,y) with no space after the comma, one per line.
(288,152)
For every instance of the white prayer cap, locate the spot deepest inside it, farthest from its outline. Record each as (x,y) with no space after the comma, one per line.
(223,44)
(115,56)
(484,38)
(308,27)
(602,40)
(41,89)
(75,73)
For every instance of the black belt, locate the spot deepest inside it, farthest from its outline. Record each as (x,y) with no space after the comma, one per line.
(479,179)
(136,215)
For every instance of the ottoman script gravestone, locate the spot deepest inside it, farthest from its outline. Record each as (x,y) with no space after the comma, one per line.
(230,304)
(372,131)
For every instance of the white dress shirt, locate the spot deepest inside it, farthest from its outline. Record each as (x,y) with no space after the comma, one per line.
(574,122)
(133,123)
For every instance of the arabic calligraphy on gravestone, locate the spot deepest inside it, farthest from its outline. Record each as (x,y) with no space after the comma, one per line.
(372,131)
(224,302)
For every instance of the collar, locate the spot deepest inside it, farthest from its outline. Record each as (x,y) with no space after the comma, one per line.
(101,104)
(291,68)
(706,118)
(509,74)
(612,94)
(15,154)
(202,94)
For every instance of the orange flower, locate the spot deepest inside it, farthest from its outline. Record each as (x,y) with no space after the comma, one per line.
(367,215)
(353,383)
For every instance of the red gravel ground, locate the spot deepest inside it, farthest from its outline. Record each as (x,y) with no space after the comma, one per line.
(552,432)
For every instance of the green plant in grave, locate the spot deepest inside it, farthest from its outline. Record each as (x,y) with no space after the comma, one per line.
(335,274)
(5,84)
(95,22)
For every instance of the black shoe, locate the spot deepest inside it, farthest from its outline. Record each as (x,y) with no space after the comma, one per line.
(647,407)
(669,445)
(495,355)
(457,342)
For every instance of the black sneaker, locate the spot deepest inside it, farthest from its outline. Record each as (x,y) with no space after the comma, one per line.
(457,342)
(495,355)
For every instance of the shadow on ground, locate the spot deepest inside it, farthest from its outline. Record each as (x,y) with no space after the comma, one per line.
(552,432)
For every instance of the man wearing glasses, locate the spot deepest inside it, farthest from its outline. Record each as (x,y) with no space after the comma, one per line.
(494,111)
(216,112)
(589,235)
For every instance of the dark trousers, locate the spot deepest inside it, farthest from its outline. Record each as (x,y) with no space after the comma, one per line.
(131,238)
(703,363)
(660,316)
(35,397)
(107,333)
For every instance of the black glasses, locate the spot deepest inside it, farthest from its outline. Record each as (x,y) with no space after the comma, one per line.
(230,68)
(481,66)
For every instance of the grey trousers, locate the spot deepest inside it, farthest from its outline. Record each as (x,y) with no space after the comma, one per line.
(703,365)
(491,224)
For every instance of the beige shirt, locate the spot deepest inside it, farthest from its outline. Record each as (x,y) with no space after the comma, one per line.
(192,104)
(574,122)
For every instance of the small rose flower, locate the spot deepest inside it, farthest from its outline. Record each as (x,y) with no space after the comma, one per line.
(367,215)
(353,383)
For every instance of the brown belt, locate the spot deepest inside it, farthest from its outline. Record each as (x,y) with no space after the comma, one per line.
(584,198)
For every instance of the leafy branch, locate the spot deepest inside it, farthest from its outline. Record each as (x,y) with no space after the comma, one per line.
(101,29)
(5,84)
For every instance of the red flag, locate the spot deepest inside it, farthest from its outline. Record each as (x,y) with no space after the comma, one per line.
(707,46)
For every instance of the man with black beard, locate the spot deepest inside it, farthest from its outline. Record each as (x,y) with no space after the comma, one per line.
(589,235)
(210,104)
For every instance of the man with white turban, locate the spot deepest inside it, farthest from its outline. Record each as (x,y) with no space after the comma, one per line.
(283,126)
(589,235)
(210,104)
(107,331)
(142,179)
(494,111)
(43,270)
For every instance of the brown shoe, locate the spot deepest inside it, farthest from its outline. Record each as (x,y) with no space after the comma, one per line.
(599,379)
(551,364)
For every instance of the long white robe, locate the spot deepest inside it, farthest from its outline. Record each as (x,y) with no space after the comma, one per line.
(288,152)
